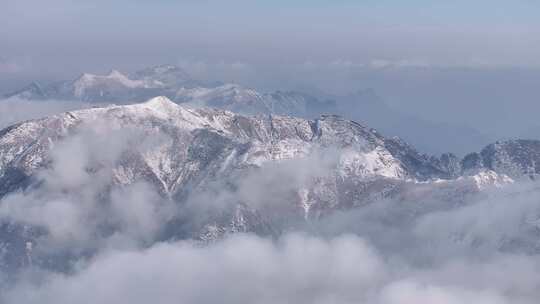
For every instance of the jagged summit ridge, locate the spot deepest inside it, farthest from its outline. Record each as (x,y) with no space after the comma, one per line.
(114,86)
(268,138)
(512,158)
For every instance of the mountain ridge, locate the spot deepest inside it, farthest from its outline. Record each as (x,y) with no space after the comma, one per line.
(222,172)
(176,84)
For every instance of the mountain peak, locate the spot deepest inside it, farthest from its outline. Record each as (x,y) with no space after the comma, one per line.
(160,102)
(116,74)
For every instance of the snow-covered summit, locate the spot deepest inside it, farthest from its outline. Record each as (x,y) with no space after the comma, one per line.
(240,140)
(160,103)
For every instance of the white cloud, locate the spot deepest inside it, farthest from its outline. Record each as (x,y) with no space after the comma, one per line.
(74,201)
(248,269)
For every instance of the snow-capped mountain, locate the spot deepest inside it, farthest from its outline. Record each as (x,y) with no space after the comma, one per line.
(245,142)
(227,142)
(231,172)
(168,80)
(113,87)
(177,85)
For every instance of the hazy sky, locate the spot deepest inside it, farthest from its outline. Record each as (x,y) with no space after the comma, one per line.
(126,32)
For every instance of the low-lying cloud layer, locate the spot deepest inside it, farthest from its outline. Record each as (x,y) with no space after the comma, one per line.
(386,254)
(296,269)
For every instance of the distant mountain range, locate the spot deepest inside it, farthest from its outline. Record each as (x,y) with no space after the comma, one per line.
(167,80)
(258,174)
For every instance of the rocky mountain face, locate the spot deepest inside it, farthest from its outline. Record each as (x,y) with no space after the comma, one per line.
(201,173)
(513,158)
